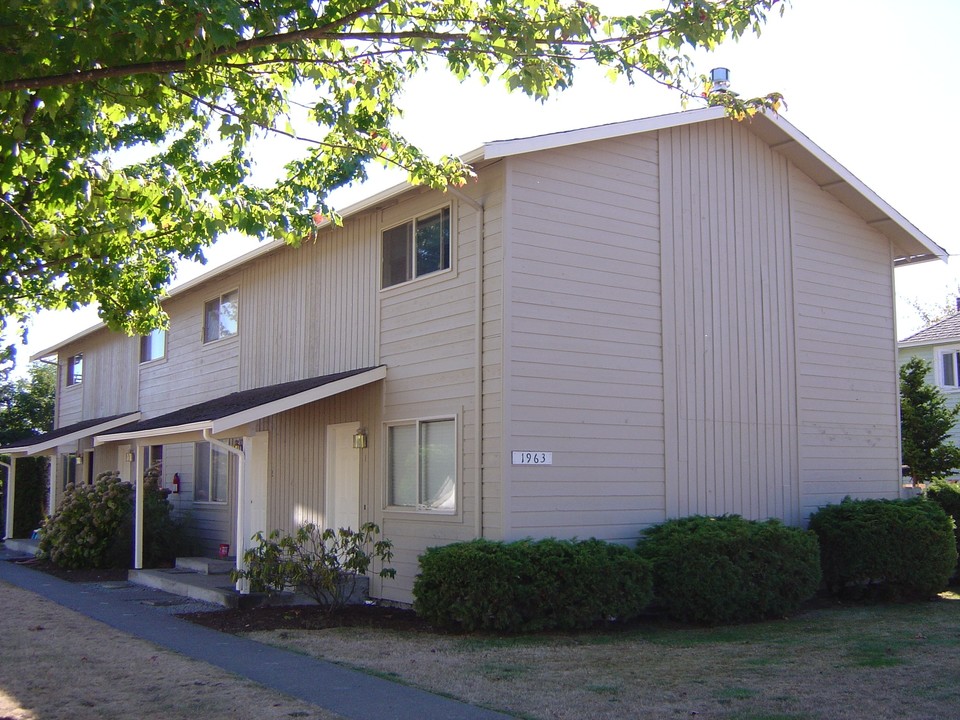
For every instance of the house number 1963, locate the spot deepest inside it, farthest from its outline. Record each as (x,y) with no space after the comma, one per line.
(530,457)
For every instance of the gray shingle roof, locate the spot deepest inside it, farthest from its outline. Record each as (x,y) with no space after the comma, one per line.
(231,404)
(63,431)
(944,330)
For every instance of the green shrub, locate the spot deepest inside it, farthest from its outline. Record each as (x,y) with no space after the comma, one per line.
(93,527)
(898,549)
(714,570)
(82,532)
(323,563)
(947,495)
(530,585)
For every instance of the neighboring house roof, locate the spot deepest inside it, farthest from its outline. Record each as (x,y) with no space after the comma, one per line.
(946,330)
(68,434)
(240,408)
(830,176)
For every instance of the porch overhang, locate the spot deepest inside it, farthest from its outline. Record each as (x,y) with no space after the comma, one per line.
(48,442)
(222,415)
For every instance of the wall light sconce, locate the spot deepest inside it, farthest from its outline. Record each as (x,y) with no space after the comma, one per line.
(360,439)
(129,457)
(78,459)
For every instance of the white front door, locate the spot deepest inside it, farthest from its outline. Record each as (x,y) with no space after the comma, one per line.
(342,478)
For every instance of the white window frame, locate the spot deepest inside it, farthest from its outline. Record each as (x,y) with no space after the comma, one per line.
(149,342)
(72,377)
(220,302)
(421,508)
(207,481)
(941,355)
(412,222)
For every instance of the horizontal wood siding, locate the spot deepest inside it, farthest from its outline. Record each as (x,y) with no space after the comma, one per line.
(492,360)
(848,390)
(193,371)
(583,369)
(109,384)
(428,341)
(728,325)
(311,310)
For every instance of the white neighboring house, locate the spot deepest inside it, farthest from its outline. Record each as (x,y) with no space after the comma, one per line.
(939,345)
(612,326)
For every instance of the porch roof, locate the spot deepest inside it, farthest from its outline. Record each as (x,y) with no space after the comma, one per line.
(240,408)
(68,434)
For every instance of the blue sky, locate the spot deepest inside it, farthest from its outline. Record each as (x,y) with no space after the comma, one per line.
(873,82)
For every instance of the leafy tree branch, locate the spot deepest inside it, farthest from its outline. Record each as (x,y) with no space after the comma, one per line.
(128,128)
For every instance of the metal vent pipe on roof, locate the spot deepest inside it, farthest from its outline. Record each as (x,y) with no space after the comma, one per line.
(719,79)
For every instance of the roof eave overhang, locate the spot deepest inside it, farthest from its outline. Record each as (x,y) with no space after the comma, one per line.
(153,433)
(321,392)
(223,425)
(53,443)
(903,344)
(911,244)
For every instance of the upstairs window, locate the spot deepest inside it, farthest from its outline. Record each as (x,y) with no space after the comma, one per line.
(220,316)
(153,346)
(75,369)
(950,369)
(418,247)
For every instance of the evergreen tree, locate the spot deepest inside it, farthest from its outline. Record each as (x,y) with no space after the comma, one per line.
(925,423)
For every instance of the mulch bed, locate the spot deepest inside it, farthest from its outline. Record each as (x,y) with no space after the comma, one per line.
(77,576)
(310,617)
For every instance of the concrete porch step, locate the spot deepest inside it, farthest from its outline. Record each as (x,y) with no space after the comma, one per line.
(208,580)
(24,545)
(205,566)
(215,588)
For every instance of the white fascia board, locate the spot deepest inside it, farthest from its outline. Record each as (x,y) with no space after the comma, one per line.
(221,425)
(80,434)
(21,451)
(932,343)
(153,432)
(504,148)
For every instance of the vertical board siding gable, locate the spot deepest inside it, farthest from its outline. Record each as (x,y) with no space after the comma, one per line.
(728,325)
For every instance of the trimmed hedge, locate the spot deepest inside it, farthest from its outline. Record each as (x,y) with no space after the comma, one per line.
(530,585)
(896,549)
(726,569)
(947,495)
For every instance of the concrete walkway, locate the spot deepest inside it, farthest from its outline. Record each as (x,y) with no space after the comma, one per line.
(346,692)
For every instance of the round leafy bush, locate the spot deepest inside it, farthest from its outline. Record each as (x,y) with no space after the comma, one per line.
(83,530)
(898,549)
(947,495)
(714,570)
(530,585)
(93,527)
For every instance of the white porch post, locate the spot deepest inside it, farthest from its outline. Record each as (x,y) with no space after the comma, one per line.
(138,511)
(53,498)
(11,468)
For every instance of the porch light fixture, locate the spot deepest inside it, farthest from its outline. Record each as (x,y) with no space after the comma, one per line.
(78,459)
(129,457)
(360,439)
